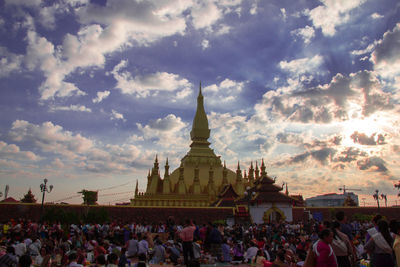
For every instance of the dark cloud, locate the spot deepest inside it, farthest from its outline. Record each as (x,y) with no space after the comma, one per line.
(388,49)
(289,138)
(321,155)
(350,154)
(363,139)
(373,164)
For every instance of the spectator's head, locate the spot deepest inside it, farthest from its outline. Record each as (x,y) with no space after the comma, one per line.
(25,261)
(376,219)
(142,257)
(101,259)
(335,225)
(340,216)
(326,235)
(112,258)
(11,250)
(72,257)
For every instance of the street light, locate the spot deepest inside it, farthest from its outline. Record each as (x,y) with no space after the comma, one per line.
(44,189)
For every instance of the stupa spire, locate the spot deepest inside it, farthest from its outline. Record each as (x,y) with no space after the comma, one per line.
(200,131)
(137,188)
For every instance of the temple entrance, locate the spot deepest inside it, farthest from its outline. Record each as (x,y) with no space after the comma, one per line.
(273,214)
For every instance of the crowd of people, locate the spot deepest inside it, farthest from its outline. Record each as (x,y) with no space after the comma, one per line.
(336,243)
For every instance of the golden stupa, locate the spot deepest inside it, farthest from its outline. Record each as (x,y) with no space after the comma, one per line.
(200,177)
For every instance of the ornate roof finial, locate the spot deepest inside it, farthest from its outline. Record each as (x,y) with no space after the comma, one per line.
(137,188)
(238,165)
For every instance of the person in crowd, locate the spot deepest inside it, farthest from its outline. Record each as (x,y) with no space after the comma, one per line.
(396,243)
(325,257)
(380,246)
(25,261)
(112,260)
(226,251)
(142,261)
(132,246)
(345,227)
(280,259)
(143,246)
(186,235)
(72,259)
(341,246)
(9,259)
(158,252)
(259,259)
(251,252)
(101,260)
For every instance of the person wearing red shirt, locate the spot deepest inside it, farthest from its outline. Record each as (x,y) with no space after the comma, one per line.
(187,241)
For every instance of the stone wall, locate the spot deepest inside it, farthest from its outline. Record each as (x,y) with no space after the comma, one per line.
(160,214)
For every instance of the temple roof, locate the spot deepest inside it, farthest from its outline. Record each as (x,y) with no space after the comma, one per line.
(265,190)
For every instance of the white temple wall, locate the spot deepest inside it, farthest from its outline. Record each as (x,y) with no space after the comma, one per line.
(257,211)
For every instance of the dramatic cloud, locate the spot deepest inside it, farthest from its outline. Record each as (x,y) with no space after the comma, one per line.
(372,164)
(363,139)
(143,85)
(357,95)
(386,55)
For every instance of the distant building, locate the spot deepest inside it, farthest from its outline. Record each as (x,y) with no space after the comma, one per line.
(330,200)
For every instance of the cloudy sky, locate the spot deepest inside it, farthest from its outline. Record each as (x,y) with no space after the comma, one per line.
(91,91)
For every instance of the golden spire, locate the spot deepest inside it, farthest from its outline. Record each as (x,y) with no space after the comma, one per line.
(200,131)
(137,188)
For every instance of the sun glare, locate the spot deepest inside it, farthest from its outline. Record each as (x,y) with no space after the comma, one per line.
(368,126)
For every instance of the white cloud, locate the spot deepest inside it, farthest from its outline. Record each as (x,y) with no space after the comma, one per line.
(205,14)
(12,151)
(283,14)
(366,50)
(205,44)
(50,138)
(78,152)
(376,16)
(331,14)
(253,9)
(307,33)
(223,29)
(80,108)
(301,66)
(142,85)
(101,96)
(167,130)
(227,91)
(9,62)
(117,116)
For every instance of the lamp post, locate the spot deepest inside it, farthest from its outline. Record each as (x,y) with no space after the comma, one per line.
(44,189)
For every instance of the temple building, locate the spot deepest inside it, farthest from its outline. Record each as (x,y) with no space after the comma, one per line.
(202,180)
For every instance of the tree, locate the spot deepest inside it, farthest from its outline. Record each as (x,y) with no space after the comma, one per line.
(349,202)
(89,197)
(29,197)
